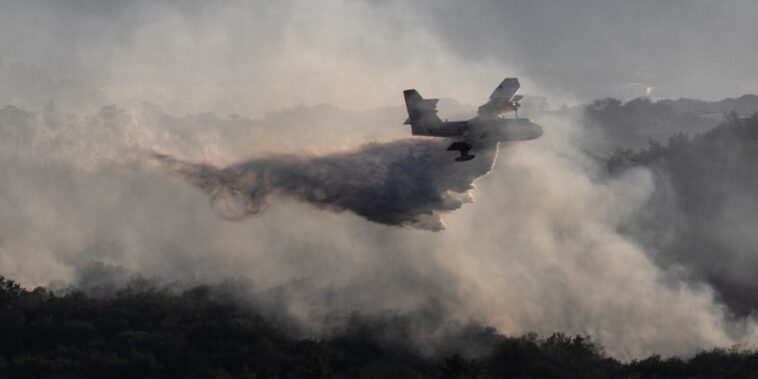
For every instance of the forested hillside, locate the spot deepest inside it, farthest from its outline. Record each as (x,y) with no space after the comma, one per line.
(203,332)
(704,209)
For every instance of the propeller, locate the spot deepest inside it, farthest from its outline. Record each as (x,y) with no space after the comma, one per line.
(515,103)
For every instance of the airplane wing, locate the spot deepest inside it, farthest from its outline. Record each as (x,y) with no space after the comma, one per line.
(502,99)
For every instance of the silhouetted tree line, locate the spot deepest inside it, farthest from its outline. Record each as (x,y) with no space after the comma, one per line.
(632,123)
(146,332)
(732,145)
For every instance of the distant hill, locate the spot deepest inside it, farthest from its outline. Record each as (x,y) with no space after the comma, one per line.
(744,105)
(635,122)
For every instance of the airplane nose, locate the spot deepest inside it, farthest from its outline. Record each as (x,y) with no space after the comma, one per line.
(536,131)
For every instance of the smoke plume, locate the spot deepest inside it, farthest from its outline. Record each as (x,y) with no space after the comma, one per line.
(553,243)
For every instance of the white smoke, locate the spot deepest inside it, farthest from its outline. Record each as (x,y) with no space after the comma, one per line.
(538,251)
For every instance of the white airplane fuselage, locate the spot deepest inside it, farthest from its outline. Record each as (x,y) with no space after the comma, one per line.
(476,130)
(485,129)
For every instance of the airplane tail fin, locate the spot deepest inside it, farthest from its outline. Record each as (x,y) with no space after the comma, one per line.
(422,113)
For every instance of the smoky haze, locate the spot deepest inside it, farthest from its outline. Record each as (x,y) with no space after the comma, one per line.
(253,56)
(302,102)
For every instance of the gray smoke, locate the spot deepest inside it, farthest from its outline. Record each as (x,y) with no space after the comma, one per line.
(540,250)
(409,182)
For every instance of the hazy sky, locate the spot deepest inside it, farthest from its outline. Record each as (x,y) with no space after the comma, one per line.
(251,56)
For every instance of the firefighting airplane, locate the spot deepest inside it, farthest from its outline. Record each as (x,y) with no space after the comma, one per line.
(487,128)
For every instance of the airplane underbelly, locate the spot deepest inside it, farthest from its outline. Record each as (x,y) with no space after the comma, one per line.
(518,133)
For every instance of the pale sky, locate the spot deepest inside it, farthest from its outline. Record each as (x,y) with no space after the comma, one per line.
(253,56)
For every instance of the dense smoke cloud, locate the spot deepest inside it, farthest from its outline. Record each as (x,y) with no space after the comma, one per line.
(242,57)
(546,247)
(404,182)
(539,250)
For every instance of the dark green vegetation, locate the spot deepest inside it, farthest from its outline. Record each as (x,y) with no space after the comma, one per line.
(633,123)
(732,144)
(143,331)
(704,209)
